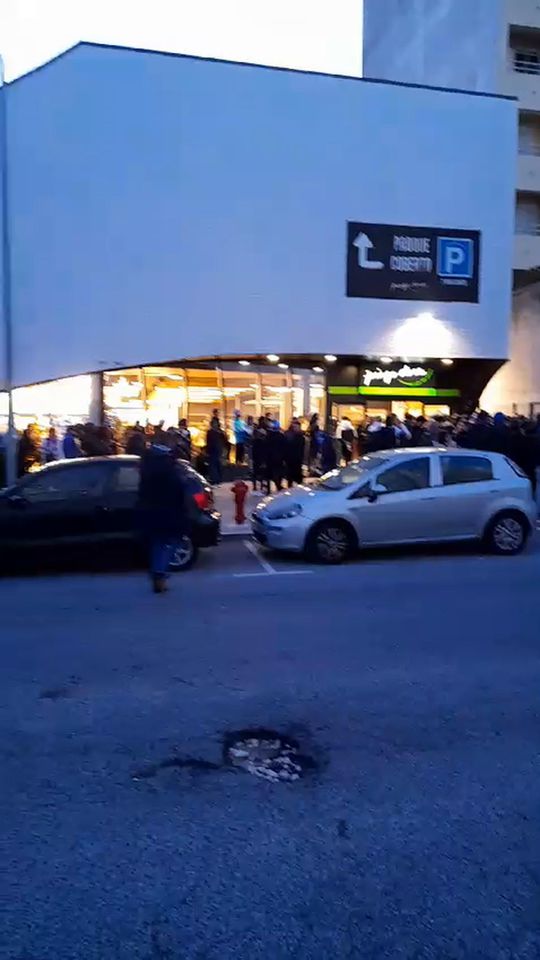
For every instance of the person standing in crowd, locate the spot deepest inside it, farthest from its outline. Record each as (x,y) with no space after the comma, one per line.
(70,445)
(259,453)
(184,440)
(28,453)
(328,452)
(294,453)
(161,508)
(345,434)
(275,458)
(314,440)
(434,429)
(523,450)
(392,434)
(419,434)
(215,446)
(136,442)
(250,428)
(240,437)
(477,434)
(50,450)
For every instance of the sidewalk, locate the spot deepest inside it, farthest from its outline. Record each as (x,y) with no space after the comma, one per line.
(224,501)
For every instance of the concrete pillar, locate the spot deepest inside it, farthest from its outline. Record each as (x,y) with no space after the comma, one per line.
(96,412)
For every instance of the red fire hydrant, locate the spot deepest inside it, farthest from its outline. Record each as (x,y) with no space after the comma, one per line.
(239,491)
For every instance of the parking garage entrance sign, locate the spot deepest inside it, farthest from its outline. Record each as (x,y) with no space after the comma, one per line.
(387,262)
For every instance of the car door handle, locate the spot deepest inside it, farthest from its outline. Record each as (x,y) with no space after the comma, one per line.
(102,508)
(429,498)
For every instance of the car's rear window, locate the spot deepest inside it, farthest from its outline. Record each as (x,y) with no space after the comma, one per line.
(466,469)
(344,476)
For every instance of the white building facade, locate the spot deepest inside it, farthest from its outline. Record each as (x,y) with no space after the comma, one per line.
(169,212)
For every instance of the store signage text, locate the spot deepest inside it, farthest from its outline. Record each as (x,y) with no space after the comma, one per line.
(405,375)
(412,263)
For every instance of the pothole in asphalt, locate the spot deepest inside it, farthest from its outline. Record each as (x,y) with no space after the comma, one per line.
(267,754)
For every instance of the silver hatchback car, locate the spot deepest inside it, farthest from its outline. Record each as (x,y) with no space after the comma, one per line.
(415,495)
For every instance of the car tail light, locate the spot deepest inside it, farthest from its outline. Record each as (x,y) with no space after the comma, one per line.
(203,500)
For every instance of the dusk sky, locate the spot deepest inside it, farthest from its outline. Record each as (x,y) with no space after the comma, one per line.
(310,34)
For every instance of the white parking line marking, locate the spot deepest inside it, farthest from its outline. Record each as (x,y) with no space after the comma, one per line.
(267,567)
(276,573)
(269,570)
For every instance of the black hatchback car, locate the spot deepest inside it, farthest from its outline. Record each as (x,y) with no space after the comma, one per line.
(87,502)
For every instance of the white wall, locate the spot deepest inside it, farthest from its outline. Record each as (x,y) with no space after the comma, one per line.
(449,43)
(168,207)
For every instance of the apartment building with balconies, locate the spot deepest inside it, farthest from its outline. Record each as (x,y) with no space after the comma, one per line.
(485,46)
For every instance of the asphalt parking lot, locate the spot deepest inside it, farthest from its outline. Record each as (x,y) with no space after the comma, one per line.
(411,678)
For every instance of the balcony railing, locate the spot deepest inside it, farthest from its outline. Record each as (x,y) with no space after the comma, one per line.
(521,63)
(529,150)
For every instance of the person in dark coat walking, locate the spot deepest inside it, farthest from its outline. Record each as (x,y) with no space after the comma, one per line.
(161,508)
(294,453)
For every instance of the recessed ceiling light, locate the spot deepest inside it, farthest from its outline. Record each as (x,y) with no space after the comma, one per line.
(284,366)
(272,357)
(330,358)
(318,370)
(447,362)
(386,359)
(244,363)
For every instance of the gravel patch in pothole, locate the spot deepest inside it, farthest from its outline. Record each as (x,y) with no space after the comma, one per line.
(266,754)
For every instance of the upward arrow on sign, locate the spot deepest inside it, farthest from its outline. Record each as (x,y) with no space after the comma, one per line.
(364,245)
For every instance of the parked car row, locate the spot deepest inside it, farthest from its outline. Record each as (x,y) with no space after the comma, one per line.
(93,502)
(389,497)
(403,496)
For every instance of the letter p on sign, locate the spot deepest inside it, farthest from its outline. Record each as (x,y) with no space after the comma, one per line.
(455,257)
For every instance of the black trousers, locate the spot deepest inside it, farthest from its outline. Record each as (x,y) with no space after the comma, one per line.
(274,474)
(240,453)
(294,474)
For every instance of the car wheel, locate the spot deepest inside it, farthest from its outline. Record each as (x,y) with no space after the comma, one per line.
(184,556)
(331,541)
(507,534)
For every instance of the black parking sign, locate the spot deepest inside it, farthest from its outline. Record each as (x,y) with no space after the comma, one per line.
(386,262)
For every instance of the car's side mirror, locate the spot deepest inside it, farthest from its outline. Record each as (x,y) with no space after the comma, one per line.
(375,491)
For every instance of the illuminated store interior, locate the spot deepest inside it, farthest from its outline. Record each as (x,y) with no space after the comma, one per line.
(156,394)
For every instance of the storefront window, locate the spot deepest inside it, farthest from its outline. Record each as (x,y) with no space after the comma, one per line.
(54,404)
(166,394)
(123,396)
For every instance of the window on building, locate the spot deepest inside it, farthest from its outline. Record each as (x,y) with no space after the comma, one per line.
(528,213)
(466,470)
(529,134)
(412,475)
(524,50)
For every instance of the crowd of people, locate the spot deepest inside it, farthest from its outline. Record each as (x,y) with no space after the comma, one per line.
(274,456)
